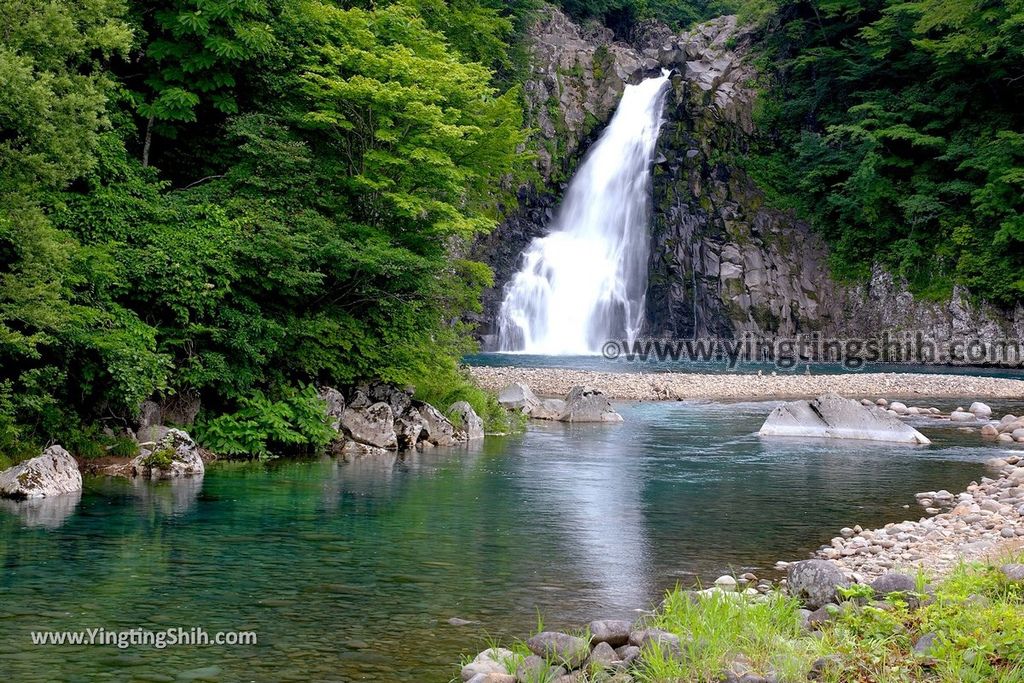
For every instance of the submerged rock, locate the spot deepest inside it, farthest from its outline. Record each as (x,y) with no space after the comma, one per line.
(53,473)
(834,417)
(586,404)
(174,455)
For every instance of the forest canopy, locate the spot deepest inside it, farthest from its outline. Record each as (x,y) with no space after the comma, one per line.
(234,201)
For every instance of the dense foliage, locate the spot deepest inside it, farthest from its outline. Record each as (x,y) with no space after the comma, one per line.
(902,124)
(233,200)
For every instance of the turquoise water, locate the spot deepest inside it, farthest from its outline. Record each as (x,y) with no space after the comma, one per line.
(350,571)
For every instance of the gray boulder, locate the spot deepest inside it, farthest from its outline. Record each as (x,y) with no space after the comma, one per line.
(601,657)
(399,399)
(372,426)
(666,643)
(440,430)
(615,632)
(980,409)
(470,424)
(893,582)
(174,455)
(549,409)
(53,473)
(335,406)
(834,417)
(410,429)
(519,397)
(560,647)
(1014,573)
(586,404)
(814,582)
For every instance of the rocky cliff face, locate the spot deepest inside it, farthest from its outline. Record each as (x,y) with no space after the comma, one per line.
(722,261)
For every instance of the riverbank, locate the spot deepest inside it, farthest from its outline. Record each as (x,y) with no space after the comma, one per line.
(983,522)
(936,600)
(625,386)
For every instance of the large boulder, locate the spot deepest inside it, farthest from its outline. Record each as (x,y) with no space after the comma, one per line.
(373,425)
(335,406)
(470,424)
(560,648)
(174,455)
(519,397)
(400,399)
(549,409)
(440,430)
(586,404)
(615,632)
(53,473)
(834,417)
(410,429)
(814,582)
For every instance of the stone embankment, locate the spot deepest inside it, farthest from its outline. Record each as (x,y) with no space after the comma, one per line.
(637,386)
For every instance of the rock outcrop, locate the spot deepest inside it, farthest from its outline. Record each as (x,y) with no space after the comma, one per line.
(53,473)
(723,262)
(834,417)
(469,423)
(587,404)
(174,455)
(379,417)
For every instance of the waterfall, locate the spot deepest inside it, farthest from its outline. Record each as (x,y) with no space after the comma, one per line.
(585,281)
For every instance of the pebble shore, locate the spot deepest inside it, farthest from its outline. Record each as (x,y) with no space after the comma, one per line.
(633,386)
(985,522)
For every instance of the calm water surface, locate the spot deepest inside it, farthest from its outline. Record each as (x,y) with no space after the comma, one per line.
(350,571)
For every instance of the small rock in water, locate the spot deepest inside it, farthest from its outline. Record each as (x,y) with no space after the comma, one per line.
(455,621)
(980,409)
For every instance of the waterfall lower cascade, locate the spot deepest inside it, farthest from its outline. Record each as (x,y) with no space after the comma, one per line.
(584,282)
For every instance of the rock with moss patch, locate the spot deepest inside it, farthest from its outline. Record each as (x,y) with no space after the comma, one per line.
(814,582)
(53,473)
(174,455)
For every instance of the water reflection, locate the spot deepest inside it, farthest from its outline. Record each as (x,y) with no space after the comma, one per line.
(340,565)
(48,513)
(171,497)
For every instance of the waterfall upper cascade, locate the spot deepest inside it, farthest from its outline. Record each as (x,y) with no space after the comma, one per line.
(584,282)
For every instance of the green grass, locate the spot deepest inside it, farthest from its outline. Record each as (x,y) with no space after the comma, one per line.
(975,614)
